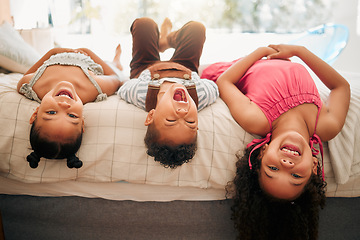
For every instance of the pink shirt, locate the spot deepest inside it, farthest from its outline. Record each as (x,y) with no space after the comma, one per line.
(276,86)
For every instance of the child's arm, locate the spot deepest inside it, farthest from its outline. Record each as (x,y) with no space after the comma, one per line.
(245,112)
(47,55)
(29,73)
(333,114)
(106,68)
(109,82)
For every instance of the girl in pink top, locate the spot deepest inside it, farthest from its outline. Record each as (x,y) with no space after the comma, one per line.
(279,184)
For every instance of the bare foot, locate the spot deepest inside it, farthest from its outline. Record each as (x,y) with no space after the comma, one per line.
(116,60)
(165,29)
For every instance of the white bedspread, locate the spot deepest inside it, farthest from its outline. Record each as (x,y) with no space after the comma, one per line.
(345,147)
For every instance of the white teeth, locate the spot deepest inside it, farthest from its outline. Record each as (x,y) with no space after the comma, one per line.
(64,95)
(296,153)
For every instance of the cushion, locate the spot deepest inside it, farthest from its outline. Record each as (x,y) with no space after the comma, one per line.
(15,54)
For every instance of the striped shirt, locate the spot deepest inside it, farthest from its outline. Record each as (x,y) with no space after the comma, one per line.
(134,91)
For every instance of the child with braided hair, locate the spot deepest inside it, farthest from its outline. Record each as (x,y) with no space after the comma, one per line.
(62,81)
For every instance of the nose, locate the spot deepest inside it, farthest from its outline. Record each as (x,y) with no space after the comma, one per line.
(287,163)
(181,111)
(64,104)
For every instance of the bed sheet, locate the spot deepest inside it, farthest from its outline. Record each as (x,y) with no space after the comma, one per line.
(113,148)
(116,191)
(344,151)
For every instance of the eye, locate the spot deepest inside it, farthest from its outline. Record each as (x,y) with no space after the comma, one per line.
(51,112)
(296,175)
(190,122)
(72,115)
(273,168)
(170,120)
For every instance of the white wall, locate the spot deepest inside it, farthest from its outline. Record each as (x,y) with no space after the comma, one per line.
(347,13)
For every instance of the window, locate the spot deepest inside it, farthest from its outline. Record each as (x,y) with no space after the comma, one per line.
(228,15)
(88,16)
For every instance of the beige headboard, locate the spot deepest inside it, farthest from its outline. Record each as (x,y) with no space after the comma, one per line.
(5,14)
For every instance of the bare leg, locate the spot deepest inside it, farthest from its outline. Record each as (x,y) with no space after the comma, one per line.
(165,29)
(116,60)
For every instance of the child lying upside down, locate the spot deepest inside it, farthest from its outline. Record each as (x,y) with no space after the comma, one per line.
(62,81)
(171,91)
(279,183)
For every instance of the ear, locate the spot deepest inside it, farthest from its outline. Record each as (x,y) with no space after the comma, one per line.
(262,150)
(33,116)
(315,165)
(149,118)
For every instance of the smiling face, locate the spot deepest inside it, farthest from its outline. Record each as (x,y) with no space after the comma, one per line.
(287,165)
(60,114)
(175,116)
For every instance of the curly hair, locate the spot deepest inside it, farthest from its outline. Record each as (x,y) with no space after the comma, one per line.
(168,156)
(52,149)
(256,215)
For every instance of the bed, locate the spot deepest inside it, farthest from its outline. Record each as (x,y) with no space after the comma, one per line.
(121,191)
(117,168)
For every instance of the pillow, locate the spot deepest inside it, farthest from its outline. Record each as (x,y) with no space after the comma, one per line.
(15,54)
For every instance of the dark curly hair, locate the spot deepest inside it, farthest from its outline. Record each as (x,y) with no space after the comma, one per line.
(256,215)
(168,156)
(52,149)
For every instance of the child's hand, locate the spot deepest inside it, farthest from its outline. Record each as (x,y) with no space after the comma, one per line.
(265,51)
(81,51)
(62,50)
(282,51)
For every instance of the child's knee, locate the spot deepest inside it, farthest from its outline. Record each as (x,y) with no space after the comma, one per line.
(143,23)
(197,27)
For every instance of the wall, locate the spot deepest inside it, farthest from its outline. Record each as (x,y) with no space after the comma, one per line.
(347,13)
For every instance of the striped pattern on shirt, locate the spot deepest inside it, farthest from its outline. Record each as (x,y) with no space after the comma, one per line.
(134,91)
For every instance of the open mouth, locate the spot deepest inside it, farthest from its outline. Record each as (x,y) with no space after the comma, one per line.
(180,95)
(64,93)
(291,150)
